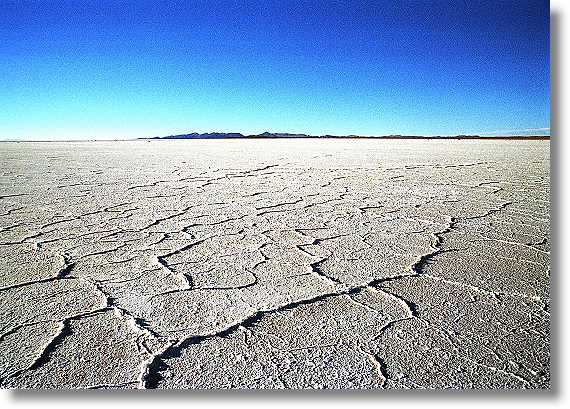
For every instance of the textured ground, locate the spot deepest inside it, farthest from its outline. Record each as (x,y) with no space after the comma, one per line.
(275,264)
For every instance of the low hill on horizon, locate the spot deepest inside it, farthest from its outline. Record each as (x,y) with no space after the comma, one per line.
(284,135)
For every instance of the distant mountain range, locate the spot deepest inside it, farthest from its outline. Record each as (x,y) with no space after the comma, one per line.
(235,135)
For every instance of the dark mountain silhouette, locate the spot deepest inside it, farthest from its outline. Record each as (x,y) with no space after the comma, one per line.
(194,135)
(283,135)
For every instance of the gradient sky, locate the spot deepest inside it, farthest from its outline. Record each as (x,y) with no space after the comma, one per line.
(113,69)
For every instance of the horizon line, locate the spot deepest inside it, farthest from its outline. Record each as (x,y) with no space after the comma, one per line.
(203,136)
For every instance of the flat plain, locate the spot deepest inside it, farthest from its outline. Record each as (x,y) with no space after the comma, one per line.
(275,264)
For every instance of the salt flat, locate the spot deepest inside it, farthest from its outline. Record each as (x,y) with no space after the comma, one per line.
(275,264)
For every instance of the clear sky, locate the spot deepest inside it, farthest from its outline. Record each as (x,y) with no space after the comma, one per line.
(113,69)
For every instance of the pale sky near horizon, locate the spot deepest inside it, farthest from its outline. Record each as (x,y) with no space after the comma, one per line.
(124,69)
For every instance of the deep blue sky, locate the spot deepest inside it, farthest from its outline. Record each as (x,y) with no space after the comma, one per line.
(105,69)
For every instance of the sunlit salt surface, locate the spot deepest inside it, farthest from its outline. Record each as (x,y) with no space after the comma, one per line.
(275,264)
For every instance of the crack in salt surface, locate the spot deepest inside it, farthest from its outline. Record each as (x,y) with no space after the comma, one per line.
(151,377)
(152,370)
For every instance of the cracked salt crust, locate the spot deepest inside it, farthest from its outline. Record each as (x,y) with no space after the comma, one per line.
(275,264)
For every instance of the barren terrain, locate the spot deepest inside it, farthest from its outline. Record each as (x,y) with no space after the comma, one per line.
(275,264)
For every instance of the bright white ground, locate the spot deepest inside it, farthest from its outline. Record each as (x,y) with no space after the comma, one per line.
(275,264)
